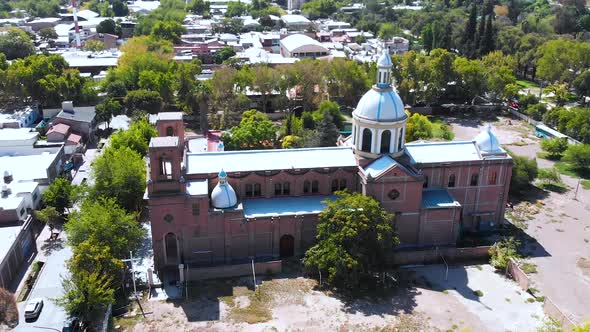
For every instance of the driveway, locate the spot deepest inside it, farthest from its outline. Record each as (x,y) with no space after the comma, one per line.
(48,287)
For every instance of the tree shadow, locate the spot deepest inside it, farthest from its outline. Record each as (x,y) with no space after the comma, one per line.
(49,246)
(531,194)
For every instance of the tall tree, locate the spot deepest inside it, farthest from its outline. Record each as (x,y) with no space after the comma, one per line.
(120,173)
(487,43)
(15,43)
(327,131)
(255,131)
(355,235)
(59,195)
(86,294)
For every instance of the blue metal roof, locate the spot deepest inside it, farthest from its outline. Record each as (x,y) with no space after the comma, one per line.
(438,199)
(273,207)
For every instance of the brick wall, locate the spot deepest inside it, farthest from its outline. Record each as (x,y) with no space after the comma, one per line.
(227,271)
(430,256)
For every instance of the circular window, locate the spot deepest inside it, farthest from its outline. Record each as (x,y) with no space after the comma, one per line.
(168,218)
(394,194)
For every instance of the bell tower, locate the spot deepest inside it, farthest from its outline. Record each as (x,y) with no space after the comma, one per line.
(166,154)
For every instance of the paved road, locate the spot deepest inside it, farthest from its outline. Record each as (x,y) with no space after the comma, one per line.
(48,287)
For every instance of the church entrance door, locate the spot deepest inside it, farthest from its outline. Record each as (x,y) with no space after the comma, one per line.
(287,246)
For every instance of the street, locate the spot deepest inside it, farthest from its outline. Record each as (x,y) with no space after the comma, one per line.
(48,287)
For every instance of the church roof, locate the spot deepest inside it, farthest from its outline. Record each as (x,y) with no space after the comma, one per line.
(438,199)
(384,60)
(273,207)
(440,152)
(381,105)
(266,160)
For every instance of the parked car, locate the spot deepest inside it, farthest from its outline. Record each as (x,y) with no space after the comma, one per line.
(71,324)
(33,308)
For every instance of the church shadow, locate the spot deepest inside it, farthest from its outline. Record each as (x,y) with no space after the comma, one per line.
(204,299)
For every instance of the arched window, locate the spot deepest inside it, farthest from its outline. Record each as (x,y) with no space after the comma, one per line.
(338,184)
(315,186)
(169,131)
(425,184)
(171,248)
(257,191)
(306,187)
(342,184)
(165,168)
(334,185)
(278,189)
(493,178)
(451,183)
(385,141)
(367,140)
(401,139)
(286,188)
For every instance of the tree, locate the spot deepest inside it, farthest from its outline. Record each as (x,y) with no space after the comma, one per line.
(224,53)
(331,108)
(59,195)
(92,256)
(388,31)
(470,32)
(561,93)
(106,223)
(15,43)
(8,309)
(235,9)
(143,101)
(327,131)
(86,294)
(554,147)
(171,31)
(524,171)
(471,76)
(120,173)
(48,34)
(198,7)
(137,137)
(265,80)
(255,131)
(307,120)
(536,111)
(582,84)
(354,236)
(106,110)
(107,26)
(94,45)
(119,8)
(502,252)
(418,127)
(48,215)
(315,9)
(578,155)
(487,42)
(347,80)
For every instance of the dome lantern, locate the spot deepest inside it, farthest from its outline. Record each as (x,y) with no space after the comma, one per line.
(384,65)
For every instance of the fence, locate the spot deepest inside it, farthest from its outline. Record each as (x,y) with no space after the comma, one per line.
(228,271)
(549,308)
(431,256)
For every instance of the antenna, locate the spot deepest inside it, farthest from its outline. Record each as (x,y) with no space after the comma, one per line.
(75,12)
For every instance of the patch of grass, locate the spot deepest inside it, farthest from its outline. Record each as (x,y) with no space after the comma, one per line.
(585,184)
(528,267)
(540,299)
(554,187)
(527,84)
(126,323)
(567,169)
(519,143)
(531,300)
(532,291)
(478,293)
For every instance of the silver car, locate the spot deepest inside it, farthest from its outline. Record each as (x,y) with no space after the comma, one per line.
(33,308)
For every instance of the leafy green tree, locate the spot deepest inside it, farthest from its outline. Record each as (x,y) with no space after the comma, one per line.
(388,30)
(307,120)
(536,111)
(15,43)
(554,147)
(291,141)
(265,80)
(470,32)
(115,89)
(582,84)
(120,173)
(107,26)
(59,195)
(87,294)
(198,7)
(355,235)
(471,76)
(224,54)
(502,252)
(94,45)
(487,42)
(561,93)
(524,171)
(315,9)
(170,31)
(327,131)
(48,34)
(418,127)
(119,8)
(255,131)
(347,80)
(331,108)
(578,155)
(235,9)
(92,256)
(106,110)
(143,101)
(106,223)
(137,137)
(48,215)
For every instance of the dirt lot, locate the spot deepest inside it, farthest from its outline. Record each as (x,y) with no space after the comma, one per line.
(561,226)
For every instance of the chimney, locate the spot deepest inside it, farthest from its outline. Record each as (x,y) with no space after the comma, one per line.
(67,106)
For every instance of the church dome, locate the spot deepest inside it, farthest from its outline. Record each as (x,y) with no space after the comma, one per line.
(487,142)
(384,60)
(223,195)
(381,105)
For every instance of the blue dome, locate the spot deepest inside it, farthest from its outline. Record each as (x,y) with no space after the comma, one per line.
(222,174)
(384,60)
(382,105)
(487,142)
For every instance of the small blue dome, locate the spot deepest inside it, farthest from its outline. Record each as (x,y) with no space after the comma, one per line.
(384,59)
(487,142)
(222,174)
(383,105)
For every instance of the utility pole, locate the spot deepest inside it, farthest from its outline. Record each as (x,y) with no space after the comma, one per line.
(577,188)
(131,260)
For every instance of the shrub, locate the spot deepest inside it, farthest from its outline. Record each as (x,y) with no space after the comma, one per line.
(524,171)
(578,155)
(554,147)
(536,111)
(501,252)
(528,100)
(549,176)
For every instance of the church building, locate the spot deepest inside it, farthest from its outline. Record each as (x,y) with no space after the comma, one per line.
(227,207)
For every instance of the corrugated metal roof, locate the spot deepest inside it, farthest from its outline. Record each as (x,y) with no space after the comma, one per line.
(442,152)
(438,199)
(271,207)
(266,160)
